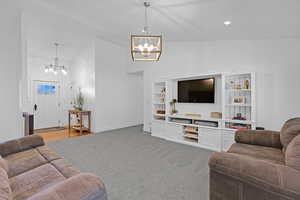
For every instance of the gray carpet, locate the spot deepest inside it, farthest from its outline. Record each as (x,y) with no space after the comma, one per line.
(135,166)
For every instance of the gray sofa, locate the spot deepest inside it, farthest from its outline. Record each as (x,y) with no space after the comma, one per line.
(30,170)
(261,165)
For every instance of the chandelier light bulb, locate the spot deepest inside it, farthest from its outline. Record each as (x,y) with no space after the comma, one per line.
(64,72)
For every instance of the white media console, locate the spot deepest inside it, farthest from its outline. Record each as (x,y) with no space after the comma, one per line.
(234,94)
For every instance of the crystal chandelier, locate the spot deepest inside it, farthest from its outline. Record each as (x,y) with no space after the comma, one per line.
(55,68)
(146,47)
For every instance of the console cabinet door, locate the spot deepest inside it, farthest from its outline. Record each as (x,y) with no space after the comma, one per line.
(210,138)
(228,139)
(158,129)
(174,131)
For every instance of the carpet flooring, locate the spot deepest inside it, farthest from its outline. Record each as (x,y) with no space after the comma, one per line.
(136,166)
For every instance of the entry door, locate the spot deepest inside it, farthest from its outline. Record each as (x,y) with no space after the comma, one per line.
(46,104)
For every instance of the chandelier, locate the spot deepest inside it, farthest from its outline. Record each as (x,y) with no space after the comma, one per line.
(56,68)
(146,47)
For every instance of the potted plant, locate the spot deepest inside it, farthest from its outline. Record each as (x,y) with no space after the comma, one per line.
(173,108)
(79,101)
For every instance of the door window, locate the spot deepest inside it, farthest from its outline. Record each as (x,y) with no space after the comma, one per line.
(46,89)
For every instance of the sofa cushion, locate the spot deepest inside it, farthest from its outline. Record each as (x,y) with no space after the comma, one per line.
(65,168)
(259,152)
(24,161)
(31,182)
(48,153)
(292,155)
(22,144)
(3,164)
(80,187)
(290,129)
(5,190)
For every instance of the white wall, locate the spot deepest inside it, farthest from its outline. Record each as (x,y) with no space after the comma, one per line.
(276,62)
(10,70)
(83,77)
(118,98)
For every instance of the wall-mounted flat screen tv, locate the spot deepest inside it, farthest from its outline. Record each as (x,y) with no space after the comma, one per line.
(196,91)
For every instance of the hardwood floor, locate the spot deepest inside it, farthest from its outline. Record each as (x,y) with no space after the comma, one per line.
(51,136)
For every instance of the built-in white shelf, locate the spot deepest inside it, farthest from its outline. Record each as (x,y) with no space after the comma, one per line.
(160,115)
(159,103)
(190,136)
(211,133)
(239,90)
(239,121)
(239,105)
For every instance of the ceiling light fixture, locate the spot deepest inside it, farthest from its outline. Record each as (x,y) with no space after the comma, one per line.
(227,23)
(55,68)
(146,47)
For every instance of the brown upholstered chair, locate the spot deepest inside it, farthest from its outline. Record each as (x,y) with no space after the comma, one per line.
(30,170)
(261,165)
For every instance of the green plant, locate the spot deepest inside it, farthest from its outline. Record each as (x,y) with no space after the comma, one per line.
(79,101)
(172,104)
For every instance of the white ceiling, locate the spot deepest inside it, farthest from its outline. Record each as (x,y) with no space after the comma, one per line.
(44,28)
(186,20)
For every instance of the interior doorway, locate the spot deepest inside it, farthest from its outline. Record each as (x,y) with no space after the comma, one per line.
(46,104)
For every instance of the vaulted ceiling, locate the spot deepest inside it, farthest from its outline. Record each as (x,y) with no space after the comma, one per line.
(186,20)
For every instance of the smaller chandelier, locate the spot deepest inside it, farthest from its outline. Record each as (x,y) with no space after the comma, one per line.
(56,68)
(146,47)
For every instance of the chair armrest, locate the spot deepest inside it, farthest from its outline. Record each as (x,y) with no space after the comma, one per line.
(259,173)
(261,138)
(22,144)
(83,186)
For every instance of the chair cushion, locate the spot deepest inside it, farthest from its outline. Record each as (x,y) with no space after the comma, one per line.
(273,155)
(292,155)
(289,131)
(23,161)
(5,190)
(31,182)
(3,164)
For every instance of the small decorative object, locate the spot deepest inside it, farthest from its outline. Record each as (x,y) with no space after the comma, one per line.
(161,112)
(246,84)
(162,95)
(79,101)
(237,87)
(232,86)
(217,115)
(239,117)
(239,100)
(193,115)
(173,108)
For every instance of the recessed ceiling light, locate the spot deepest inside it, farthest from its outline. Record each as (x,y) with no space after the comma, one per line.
(227,23)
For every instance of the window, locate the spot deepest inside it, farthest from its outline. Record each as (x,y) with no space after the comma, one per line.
(46,89)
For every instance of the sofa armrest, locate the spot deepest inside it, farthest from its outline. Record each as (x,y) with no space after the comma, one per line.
(22,144)
(261,138)
(259,173)
(83,186)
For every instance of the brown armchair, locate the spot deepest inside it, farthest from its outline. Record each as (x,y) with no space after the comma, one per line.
(260,165)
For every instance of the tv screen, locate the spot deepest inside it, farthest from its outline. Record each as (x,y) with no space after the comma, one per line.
(196,91)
